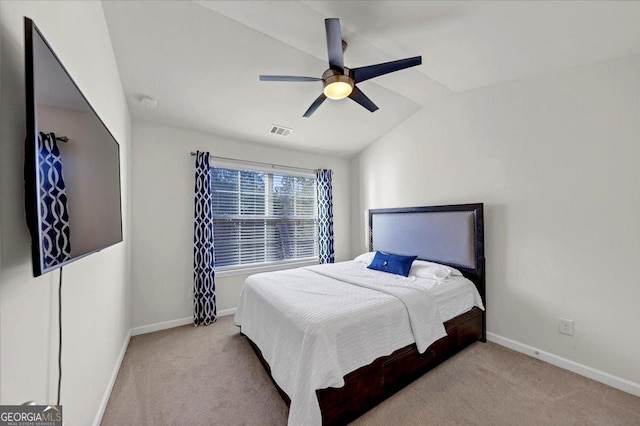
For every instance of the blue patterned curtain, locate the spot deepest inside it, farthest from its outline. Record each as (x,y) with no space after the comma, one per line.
(204,286)
(56,243)
(325,216)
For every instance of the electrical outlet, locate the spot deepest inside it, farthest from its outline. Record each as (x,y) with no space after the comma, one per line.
(565,326)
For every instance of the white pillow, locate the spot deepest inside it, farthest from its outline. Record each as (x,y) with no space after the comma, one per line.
(435,271)
(366,258)
(419,268)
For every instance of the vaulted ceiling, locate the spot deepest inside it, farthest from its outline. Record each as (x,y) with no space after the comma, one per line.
(201,60)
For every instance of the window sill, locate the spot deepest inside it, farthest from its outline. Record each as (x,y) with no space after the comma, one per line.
(264,268)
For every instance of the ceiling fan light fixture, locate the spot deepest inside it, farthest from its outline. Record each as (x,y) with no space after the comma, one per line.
(339,81)
(338,86)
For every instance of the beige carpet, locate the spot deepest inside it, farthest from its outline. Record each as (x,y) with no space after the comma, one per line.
(210,376)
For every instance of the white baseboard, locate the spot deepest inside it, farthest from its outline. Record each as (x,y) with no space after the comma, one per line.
(144,329)
(112,381)
(226,312)
(597,375)
(136,331)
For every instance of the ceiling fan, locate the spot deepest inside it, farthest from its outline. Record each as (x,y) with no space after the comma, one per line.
(340,81)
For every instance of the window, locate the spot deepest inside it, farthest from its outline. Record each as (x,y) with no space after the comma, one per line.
(261,218)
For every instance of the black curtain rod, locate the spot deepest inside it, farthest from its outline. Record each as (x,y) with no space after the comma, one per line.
(58,138)
(260,163)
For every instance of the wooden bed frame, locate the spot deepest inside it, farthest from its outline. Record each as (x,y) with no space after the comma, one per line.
(402,232)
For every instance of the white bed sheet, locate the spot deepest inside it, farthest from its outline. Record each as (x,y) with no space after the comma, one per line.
(313,329)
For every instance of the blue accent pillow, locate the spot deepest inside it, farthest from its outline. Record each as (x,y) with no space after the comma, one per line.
(392,263)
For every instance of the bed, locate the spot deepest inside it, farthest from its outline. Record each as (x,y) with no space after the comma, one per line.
(339,339)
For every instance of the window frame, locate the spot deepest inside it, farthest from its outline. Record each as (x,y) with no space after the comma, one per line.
(244,269)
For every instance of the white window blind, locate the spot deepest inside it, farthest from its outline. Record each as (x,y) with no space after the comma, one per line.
(261,218)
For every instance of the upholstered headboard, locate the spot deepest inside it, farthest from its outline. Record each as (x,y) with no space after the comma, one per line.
(451,235)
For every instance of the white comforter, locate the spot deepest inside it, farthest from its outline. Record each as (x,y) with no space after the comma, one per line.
(316,324)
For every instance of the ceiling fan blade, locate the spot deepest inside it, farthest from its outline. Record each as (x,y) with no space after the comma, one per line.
(371,71)
(287,78)
(314,106)
(334,44)
(358,96)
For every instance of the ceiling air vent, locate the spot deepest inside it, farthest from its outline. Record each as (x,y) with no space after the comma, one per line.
(279,130)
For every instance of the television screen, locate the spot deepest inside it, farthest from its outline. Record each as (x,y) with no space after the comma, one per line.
(72,164)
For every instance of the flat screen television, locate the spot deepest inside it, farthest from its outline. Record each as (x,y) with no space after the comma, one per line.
(72,164)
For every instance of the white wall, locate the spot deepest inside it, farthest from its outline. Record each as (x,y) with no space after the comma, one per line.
(162,215)
(555,160)
(96,296)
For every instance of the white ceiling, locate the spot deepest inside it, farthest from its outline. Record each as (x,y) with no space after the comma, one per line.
(201,60)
